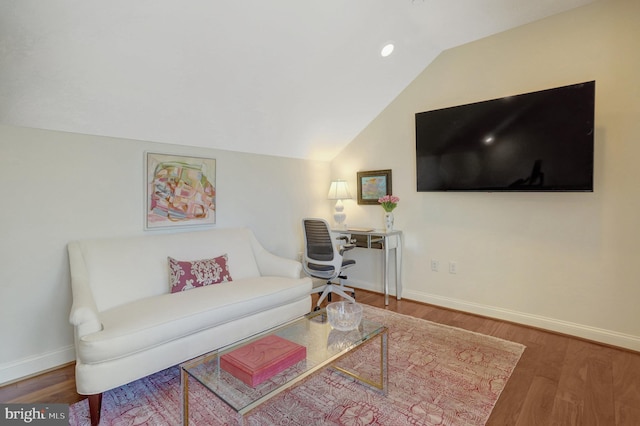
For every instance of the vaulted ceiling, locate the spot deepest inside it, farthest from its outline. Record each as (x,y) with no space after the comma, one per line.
(293,78)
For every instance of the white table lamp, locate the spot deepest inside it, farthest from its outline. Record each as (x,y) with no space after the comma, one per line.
(339,191)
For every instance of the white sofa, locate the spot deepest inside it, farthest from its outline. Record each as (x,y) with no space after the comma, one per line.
(128,325)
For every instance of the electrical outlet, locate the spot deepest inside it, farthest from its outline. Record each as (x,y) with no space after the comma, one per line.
(453,267)
(435,265)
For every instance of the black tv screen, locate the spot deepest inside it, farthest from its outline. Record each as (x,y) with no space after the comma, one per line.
(539,141)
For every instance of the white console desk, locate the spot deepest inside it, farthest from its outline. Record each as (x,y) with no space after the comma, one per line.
(381,240)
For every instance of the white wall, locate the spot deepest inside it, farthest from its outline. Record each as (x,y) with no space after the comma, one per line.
(58,187)
(562,261)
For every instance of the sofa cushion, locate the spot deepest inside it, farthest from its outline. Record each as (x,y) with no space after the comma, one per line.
(153,321)
(187,275)
(122,270)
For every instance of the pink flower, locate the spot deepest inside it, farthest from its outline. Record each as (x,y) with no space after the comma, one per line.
(389,199)
(389,202)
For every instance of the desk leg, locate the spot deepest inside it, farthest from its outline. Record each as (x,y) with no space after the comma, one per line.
(399,269)
(385,271)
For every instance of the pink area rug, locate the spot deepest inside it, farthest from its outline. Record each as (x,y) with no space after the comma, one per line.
(438,375)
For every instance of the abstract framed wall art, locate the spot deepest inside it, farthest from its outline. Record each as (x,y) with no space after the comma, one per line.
(373,185)
(180,191)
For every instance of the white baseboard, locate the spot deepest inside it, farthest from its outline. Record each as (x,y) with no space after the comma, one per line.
(10,372)
(370,287)
(595,334)
(579,330)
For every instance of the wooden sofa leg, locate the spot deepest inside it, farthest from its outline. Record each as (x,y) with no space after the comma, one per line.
(95,405)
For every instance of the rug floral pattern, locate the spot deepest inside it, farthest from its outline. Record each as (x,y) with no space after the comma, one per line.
(438,375)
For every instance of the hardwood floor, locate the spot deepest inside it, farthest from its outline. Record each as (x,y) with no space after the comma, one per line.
(559,380)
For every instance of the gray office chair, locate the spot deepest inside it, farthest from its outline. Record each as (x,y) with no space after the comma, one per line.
(323,259)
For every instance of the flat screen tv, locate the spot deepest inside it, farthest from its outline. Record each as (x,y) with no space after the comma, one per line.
(539,141)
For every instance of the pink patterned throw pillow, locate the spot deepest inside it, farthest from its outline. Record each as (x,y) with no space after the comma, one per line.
(185,275)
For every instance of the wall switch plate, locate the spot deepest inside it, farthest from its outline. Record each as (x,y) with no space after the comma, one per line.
(453,267)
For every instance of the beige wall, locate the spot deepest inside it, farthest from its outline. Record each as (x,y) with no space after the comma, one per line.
(563,261)
(58,187)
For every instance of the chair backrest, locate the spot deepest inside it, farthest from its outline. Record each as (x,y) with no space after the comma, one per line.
(321,256)
(318,244)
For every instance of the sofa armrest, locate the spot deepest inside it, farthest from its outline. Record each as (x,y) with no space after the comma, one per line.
(270,264)
(84,312)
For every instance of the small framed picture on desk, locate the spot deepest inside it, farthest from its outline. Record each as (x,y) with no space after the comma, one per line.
(373,185)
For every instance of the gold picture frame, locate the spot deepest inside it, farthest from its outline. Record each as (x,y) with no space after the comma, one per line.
(372,185)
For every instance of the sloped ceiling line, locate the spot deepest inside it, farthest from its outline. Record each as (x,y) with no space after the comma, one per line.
(286,78)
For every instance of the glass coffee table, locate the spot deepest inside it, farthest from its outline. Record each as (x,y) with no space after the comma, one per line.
(324,347)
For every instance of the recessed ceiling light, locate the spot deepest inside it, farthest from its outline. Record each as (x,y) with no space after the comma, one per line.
(387,50)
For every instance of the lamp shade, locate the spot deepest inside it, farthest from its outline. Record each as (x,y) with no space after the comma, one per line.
(339,190)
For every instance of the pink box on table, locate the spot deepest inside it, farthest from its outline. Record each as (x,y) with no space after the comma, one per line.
(260,360)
